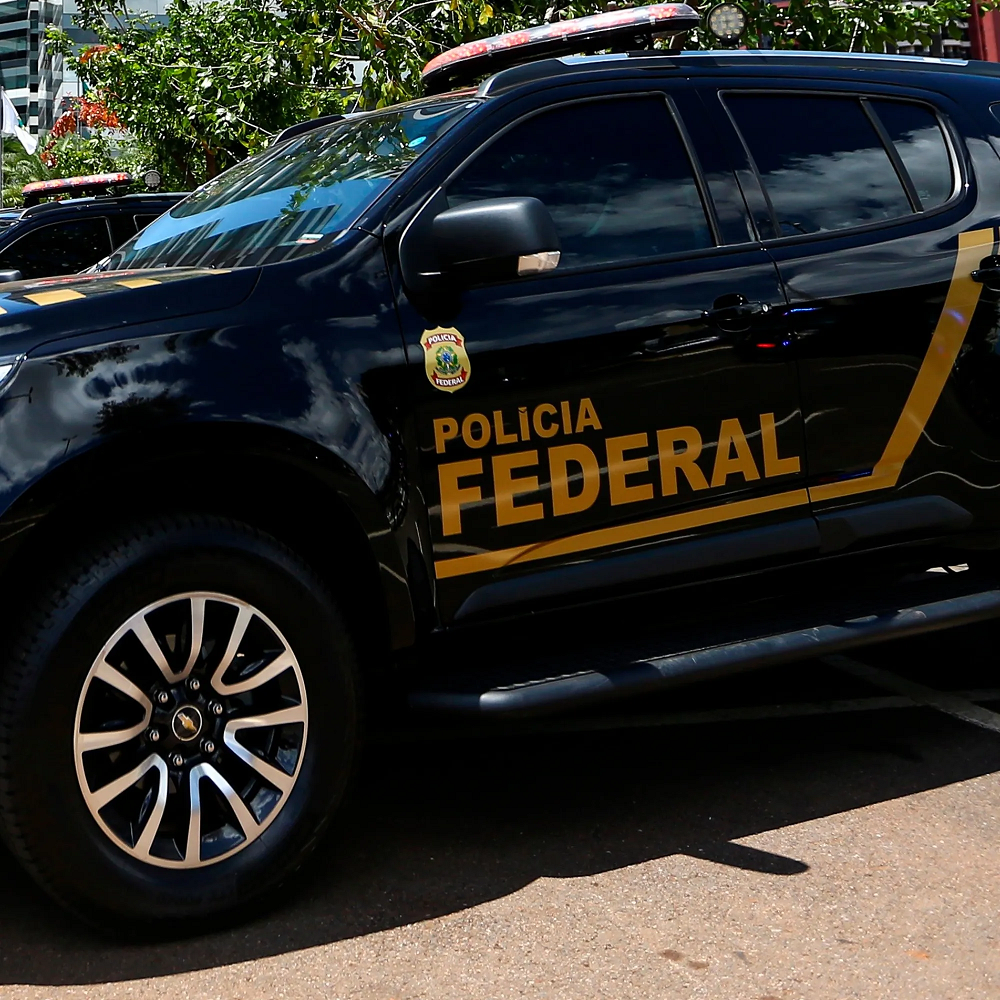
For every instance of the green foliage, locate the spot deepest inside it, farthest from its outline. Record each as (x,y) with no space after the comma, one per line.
(20,168)
(218,80)
(68,156)
(73,155)
(851,25)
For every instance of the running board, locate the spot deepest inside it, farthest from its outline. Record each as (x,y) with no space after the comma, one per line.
(638,676)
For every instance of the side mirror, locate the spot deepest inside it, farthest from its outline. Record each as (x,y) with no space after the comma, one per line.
(498,239)
(10,274)
(495,240)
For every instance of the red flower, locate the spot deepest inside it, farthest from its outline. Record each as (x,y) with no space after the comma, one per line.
(92,114)
(93,51)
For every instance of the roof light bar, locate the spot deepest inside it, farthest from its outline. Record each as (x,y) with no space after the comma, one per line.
(37,190)
(580,34)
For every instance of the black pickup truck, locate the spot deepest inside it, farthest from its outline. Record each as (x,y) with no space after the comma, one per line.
(611,372)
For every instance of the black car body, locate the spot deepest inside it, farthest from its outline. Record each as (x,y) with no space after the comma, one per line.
(762,385)
(63,237)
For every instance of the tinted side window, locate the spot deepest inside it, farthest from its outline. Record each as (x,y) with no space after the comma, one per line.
(917,136)
(141,221)
(62,248)
(821,161)
(613,173)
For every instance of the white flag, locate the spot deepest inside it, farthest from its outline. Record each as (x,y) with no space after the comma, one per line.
(10,125)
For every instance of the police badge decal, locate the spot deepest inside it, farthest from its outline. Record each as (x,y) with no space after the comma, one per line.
(445,359)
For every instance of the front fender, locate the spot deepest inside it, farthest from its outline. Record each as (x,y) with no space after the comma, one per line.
(250,390)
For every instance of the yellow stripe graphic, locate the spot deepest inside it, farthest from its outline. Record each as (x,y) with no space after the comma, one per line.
(56,295)
(946,341)
(636,531)
(138,282)
(949,335)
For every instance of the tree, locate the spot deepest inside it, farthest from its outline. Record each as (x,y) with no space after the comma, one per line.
(20,168)
(83,140)
(216,81)
(67,156)
(68,152)
(853,25)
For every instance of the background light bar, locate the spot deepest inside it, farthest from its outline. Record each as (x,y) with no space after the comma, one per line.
(60,184)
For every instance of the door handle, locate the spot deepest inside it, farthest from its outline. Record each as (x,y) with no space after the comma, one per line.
(731,314)
(988,273)
(735,313)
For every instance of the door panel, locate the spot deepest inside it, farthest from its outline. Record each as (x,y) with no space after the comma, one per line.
(875,358)
(880,297)
(604,410)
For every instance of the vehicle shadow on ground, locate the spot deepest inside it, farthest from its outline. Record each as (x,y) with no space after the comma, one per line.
(435,828)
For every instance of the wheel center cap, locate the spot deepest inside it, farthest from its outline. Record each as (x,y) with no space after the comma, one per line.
(187,723)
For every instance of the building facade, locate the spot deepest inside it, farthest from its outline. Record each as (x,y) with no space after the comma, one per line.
(30,77)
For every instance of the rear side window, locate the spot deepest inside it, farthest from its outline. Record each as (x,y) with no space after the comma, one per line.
(821,160)
(614,174)
(916,134)
(61,248)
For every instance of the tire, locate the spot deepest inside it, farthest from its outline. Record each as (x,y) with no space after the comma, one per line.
(74,728)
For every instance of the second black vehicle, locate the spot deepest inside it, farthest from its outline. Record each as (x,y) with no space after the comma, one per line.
(608,373)
(62,237)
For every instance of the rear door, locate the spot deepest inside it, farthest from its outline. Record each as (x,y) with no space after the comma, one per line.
(867,204)
(601,419)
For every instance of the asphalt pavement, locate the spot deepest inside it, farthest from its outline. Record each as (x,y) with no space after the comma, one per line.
(806,833)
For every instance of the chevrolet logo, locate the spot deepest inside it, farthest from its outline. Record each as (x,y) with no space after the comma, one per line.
(186,723)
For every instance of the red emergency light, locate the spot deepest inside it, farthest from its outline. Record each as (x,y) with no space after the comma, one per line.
(634,26)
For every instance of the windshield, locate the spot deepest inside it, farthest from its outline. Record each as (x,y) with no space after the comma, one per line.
(292,199)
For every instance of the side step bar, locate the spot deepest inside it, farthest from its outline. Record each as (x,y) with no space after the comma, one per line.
(653,673)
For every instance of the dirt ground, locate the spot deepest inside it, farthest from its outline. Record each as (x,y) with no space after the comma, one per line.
(766,854)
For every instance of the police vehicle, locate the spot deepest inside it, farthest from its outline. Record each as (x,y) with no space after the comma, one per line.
(62,237)
(609,372)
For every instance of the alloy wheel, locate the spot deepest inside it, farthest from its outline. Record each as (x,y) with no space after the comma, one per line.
(190,730)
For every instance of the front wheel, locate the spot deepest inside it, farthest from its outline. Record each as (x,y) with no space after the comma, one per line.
(177,724)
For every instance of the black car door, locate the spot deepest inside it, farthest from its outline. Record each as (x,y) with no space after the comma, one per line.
(583,427)
(866,197)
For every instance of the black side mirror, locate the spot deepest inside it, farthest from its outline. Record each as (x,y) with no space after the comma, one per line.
(498,239)
(10,274)
(495,240)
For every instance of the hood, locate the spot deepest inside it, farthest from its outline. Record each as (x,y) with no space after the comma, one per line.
(42,310)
